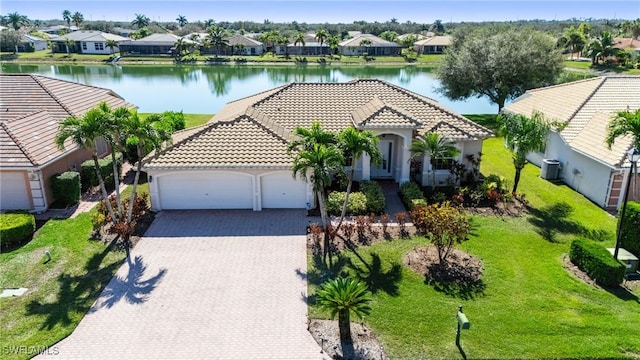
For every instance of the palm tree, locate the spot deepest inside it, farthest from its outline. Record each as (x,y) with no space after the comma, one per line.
(625,123)
(437,27)
(299,39)
(366,43)
(333,42)
(632,27)
(601,47)
(305,138)
(77,19)
(141,33)
(179,45)
(523,135)
(437,147)
(140,21)
(216,38)
(17,21)
(182,20)
(84,132)
(66,16)
(321,36)
(573,40)
(354,143)
(111,44)
(68,43)
(343,296)
(208,23)
(318,164)
(284,42)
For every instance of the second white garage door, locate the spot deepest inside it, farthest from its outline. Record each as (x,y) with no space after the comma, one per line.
(281,191)
(206,190)
(13,191)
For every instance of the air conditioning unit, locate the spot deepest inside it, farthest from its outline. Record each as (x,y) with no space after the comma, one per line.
(550,169)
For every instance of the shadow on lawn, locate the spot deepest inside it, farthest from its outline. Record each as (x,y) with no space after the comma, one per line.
(623,294)
(554,219)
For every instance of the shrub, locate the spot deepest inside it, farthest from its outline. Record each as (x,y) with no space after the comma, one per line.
(631,236)
(411,191)
(443,224)
(16,227)
(175,119)
(375,196)
(357,203)
(597,262)
(66,187)
(89,178)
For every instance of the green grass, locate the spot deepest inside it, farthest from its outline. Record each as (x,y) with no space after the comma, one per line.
(586,66)
(531,306)
(191,120)
(60,291)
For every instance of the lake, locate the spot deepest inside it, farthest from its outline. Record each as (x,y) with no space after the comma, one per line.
(206,89)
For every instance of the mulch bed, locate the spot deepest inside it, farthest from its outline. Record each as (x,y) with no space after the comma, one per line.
(573,269)
(366,345)
(142,224)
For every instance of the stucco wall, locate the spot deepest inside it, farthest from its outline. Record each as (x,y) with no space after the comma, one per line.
(66,163)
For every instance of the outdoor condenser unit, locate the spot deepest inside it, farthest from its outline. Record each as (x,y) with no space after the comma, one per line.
(550,169)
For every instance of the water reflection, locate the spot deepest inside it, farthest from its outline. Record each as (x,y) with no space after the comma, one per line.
(206,89)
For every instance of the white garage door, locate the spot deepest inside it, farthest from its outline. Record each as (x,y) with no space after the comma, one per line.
(13,191)
(281,190)
(205,190)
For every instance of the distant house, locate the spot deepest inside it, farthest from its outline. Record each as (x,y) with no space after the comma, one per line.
(154,44)
(417,37)
(86,42)
(627,44)
(32,108)
(57,29)
(28,43)
(585,163)
(432,45)
(377,46)
(123,32)
(244,45)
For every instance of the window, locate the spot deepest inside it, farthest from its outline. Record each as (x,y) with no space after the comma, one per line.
(84,45)
(444,163)
(99,46)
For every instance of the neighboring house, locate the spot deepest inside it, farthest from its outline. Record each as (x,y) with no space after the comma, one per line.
(585,162)
(32,43)
(57,29)
(239,159)
(432,45)
(311,47)
(154,44)
(244,45)
(417,37)
(123,32)
(32,107)
(377,46)
(627,44)
(86,42)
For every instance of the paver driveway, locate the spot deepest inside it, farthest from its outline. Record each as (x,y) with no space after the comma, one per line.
(205,285)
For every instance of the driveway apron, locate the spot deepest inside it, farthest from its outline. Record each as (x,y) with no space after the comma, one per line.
(205,285)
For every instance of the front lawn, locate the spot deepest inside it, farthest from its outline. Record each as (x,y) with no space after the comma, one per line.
(531,306)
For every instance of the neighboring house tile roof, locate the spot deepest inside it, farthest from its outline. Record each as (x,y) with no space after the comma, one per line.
(586,106)
(271,116)
(375,41)
(158,39)
(626,43)
(31,107)
(90,35)
(238,39)
(444,40)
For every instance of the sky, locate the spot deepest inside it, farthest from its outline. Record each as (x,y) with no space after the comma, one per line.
(328,11)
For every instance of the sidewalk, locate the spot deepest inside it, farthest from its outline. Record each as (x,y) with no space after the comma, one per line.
(88,200)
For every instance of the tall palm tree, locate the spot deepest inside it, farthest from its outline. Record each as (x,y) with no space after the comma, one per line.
(111,44)
(573,39)
(625,123)
(179,45)
(182,20)
(68,43)
(84,132)
(365,43)
(77,19)
(299,40)
(318,164)
(208,23)
(601,48)
(305,138)
(333,42)
(17,21)
(216,38)
(437,147)
(354,143)
(148,133)
(523,135)
(343,296)
(321,36)
(66,16)
(140,21)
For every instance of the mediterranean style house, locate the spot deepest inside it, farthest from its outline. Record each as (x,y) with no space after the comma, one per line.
(86,42)
(32,107)
(584,162)
(239,159)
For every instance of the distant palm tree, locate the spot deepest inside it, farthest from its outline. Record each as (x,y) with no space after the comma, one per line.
(182,20)
(366,43)
(140,21)
(299,40)
(321,36)
(111,44)
(601,48)
(77,19)
(66,16)
(632,27)
(208,23)
(84,132)
(216,38)
(17,21)
(333,42)
(437,147)
(141,33)
(437,27)
(179,46)
(68,43)
(284,42)
(343,296)
(523,135)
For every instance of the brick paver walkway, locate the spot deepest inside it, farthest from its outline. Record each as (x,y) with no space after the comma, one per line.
(205,285)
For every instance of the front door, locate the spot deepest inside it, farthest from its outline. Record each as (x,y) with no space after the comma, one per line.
(385,168)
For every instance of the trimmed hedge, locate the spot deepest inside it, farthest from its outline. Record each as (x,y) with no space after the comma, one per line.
(412,195)
(631,223)
(89,177)
(16,227)
(66,187)
(357,203)
(597,262)
(375,196)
